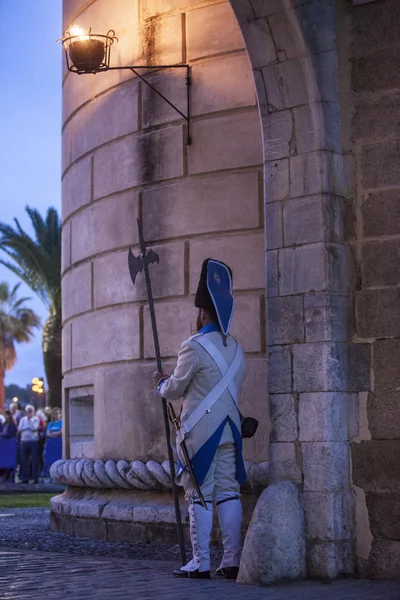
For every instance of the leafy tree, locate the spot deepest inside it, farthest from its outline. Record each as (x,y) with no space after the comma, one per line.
(17,324)
(37,261)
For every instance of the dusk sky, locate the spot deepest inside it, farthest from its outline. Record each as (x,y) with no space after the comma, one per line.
(30,120)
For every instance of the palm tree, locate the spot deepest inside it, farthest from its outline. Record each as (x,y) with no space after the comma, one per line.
(17,324)
(37,261)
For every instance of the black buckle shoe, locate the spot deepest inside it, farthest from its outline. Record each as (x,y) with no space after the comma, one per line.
(228,572)
(192,574)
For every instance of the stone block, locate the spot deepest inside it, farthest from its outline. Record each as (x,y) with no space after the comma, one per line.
(379,164)
(320,366)
(77,291)
(66,148)
(274,548)
(276,180)
(226,142)
(259,43)
(97,15)
(215,86)
(296,276)
(377,313)
(290,83)
(287,37)
(265,9)
(326,466)
(384,514)
(218,18)
(277,134)
(384,560)
(285,464)
(373,120)
(313,219)
(374,27)
(376,466)
(359,367)
(244,254)
(66,347)
(326,317)
(272,273)
(328,560)
(141,433)
(381,213)
(325,75)
(248,323)
(76,187)
(105,225)
(318,172)
(367,74)
(317,127)
(106,336)
(153,8)
(138,160)
(329,515)
(156,46)
(380,263)
(243,10)
(386,360)
(287,316)
(330,268)
(317,26)
(77,91)
(185,208)
(279,368)
(274,225)
(283,411)
(65,246)
(326,416)
(127,51)
(254,402)
(109,116)
(384,415)
(69,11)
(95,529)
(155,111)
(167,278)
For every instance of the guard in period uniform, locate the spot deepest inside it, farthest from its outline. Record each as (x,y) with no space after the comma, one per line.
(208,376)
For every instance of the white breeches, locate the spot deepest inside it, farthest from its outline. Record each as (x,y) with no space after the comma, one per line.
(221,486)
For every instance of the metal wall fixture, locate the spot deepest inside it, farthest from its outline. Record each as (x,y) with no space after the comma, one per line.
(90,53)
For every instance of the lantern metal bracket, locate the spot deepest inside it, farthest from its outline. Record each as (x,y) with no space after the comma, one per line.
(186,116)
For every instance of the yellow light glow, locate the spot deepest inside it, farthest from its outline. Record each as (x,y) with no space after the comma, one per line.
(15,399)
(35,388)
(40,391)
(35,380)
(79,32)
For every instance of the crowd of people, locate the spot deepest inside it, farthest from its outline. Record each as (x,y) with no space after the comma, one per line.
(31,429)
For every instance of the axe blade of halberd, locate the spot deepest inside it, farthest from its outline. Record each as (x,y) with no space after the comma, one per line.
(136,264)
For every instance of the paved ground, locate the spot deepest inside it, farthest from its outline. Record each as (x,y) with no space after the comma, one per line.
(26,575)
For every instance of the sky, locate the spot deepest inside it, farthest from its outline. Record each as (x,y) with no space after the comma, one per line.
(30,125)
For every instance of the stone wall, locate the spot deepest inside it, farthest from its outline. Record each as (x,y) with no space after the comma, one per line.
(373,229)
(124,155)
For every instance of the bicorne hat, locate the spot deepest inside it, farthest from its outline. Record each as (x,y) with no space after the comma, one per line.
(214,292)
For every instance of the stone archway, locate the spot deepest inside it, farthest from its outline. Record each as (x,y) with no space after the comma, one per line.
(294,61)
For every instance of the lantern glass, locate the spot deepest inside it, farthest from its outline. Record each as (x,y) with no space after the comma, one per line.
(87,52)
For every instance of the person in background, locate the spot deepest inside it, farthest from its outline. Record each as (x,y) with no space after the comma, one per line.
(16,412)
(29,427)
(54,428)
(9,428)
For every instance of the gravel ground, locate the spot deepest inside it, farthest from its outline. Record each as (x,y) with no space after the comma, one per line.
(29,529)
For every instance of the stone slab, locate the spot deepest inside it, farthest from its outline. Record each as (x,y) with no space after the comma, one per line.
(380,263)
(106,336)
(377,314)
(287,317)
(381,213)
(105,225)
(279,369)
(327,416)
(384,414)
(77,291)
(137,160)
(319,366)
(76,187)
(368,76)
(193,201)
(245,255)
(226,142)
(219,18)
(285,462)
(283,409)
(326,466)
(378,164)
(375,465)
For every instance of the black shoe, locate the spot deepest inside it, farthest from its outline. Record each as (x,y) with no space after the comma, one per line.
(192,574)
(228,572)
